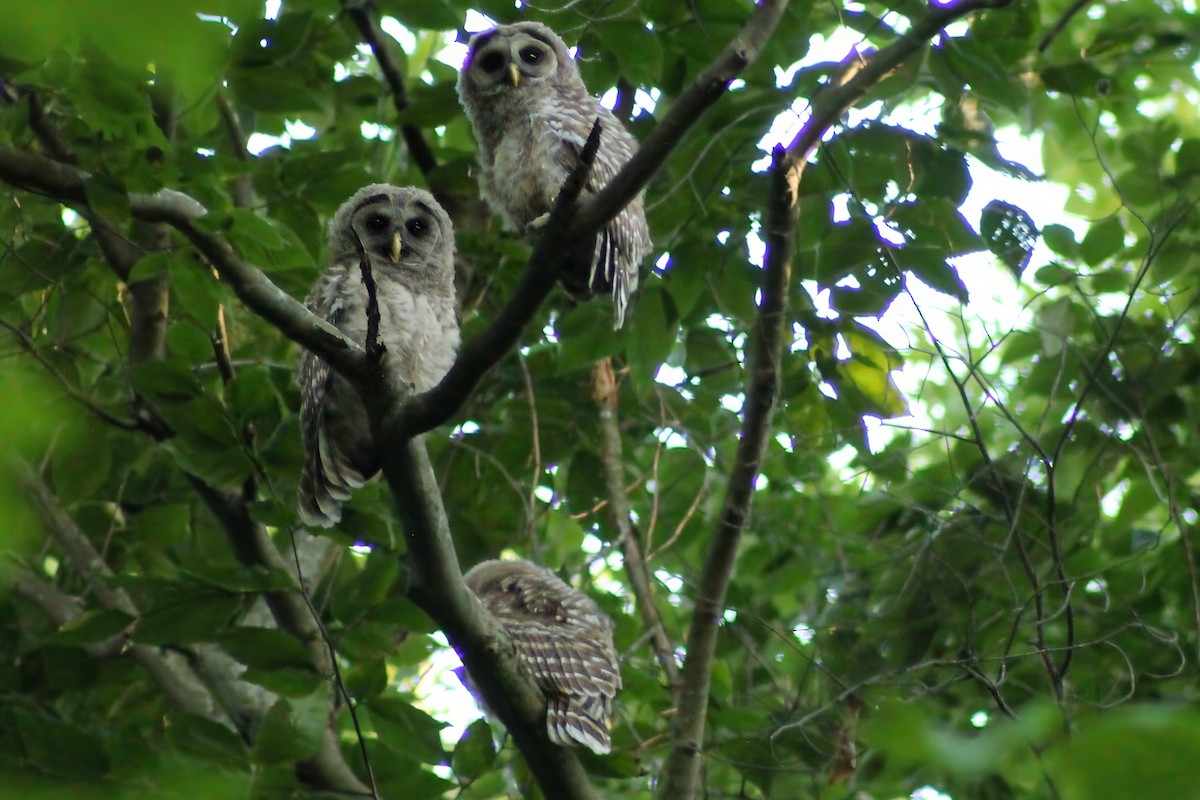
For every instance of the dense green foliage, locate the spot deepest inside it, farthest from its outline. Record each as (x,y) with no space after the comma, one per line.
(998,601)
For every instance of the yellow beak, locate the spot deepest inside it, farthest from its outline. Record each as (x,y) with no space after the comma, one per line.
(514,74)
(397,245)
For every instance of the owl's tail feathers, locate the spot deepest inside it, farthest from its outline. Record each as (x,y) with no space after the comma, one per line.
(600,268)
(569,724)
(325,484)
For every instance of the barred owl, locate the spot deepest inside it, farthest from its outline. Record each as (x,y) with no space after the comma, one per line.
(564,640)
(532,115)
(410,243)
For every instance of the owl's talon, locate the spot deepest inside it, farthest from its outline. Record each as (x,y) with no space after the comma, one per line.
(538,222)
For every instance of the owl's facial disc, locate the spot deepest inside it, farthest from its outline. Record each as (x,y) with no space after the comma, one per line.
(396,231)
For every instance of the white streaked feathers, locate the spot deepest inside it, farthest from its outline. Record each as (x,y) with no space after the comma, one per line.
(565,641)
(532,114)
(418,327)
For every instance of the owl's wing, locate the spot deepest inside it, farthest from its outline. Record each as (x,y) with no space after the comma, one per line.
(328,475)
(620,245)
(577,676)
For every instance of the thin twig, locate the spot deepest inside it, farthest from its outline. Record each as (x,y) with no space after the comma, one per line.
(1061,24)
(604,391)
(372,344)
(28,346)
(360,12)
(337,671)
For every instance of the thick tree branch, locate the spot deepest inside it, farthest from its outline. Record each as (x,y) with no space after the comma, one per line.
(681,773)
(439,404)
(426,411)
(360,12)
(604,390)
(437,586)
(682,769)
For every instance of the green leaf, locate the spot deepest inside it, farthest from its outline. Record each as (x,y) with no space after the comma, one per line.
(293,729)
(655,336)
(291,682)
(408,729)
(207,739)
(475,752)
(245,226)
(60,749)
(108,198)
(1104,239)
(185,619)
(1010,234)
(265,648)
(434,15)
(151,265)
(1080,79)
(273,90)
(94,625)
(165,381)
(1117,755)
(1061,240)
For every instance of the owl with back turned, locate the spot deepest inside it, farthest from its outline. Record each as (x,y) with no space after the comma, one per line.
(563,639)
(532,115)
(409,241)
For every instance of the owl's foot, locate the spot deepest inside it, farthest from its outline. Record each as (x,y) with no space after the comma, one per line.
(538,222)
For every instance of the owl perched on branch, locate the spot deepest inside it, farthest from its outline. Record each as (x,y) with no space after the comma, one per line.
(409,242)
(532,114)
(565,641)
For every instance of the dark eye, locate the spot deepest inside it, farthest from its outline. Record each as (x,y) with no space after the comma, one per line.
(531,55)
(377,222)
(491,62)
(417,226)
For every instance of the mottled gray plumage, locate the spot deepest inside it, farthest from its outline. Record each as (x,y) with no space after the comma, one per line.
(410,243)
(565,641)
(532,115)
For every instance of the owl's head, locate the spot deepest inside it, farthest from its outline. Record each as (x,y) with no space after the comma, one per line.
(515,586)
(515,61)
(402,226)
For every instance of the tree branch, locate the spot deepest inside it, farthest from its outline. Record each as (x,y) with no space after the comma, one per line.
(693,101)
(243,185)
(72,541)
(682,769)
(253,547)
(858,75)
(430,409)
(176,680)
(67,184)
(604,389)
(360,12)
(681,773)
(427,411)
(437,587)
(327,766)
